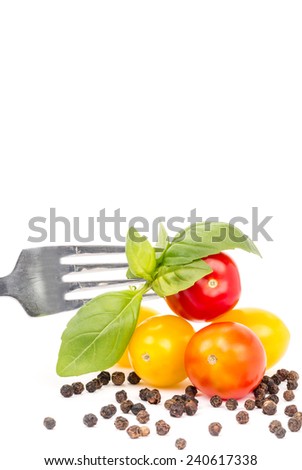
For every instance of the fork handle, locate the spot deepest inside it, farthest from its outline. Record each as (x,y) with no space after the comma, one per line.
(4,286)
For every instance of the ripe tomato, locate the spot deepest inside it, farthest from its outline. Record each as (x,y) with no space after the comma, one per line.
(212,295)
(225,359)
(157,349)
(270,329)
(144,313)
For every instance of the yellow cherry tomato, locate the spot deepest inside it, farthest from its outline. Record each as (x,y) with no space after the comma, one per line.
(269,328)
(157,350)
(144,313)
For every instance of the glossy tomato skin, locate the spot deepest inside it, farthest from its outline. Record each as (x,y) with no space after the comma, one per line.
(144,313)
(157,349)
(270,329)
(225,359)
(212,295)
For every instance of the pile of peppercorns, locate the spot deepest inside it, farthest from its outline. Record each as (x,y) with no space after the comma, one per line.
(265,398)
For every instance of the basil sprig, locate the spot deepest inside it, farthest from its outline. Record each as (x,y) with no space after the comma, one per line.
(97,336)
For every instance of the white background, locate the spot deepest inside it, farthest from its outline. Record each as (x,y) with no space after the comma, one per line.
(155,108)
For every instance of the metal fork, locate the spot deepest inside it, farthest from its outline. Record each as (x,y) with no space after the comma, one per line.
(36,281)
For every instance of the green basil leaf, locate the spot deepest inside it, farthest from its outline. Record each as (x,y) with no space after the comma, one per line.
(162,244)
(140,255)
(204,239)
(130,275)
(96,337)
(172,279)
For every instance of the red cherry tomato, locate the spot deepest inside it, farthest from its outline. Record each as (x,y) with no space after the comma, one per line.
(225,359)
(212,295)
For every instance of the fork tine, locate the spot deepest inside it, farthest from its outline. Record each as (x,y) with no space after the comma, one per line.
(86,249)
(86,268)
(147,296)
(75,286)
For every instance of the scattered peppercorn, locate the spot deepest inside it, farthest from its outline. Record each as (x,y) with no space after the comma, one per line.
(292,384)
(242,417)
(288,395)
(126,406)
(143,393)
(49,423)
(290,410)
(276,378)
(249,404)
(143,416)
(294,424)
(104,377)
(259,402)
(293,375)
(136,407)
(90,420)
(145,431)
(191,407)
(265,379)
(180,443)
(134,431)
(177,409)
(178,398)
(169,403)
(121,396)
(231,404)
(216,401)
(273,397)
(118,378)
(121,423)
(133,378)
(214,429)
(77,388)
(66,390)
(274,425)
(273,387)
(298,415)
(91,386)
(191,391)
(283,374)
(269,407)
(153,396)
(108,411)
(98,383)
(259,393)
(280,432)
(162,428)
(264,386)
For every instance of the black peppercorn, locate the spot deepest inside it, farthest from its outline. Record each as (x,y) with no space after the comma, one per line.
(133,378)
(134,432)
(274,425)
(169,403)
(118,378)
(90,420)
(136,407)
(108,411)
(143,416)
(276,378)
(263,386)
(249,404)
(191,391)
(292,384)
(259,393)
(265,379)
(97,383)
(162,428)
(293,375)
(191,407)
(90,386)
(242,417)
(214,429)
(290,410)
(280,432)
(177,409)
(216,401)
(153,396)
(77,388)
(272,387)
(66,390)
(259,402)
(288,395)
(273,397)
(104,377)
(126,406)
(143,393)
(231,404)
(294,424)
(298,415)
(121,396)
(283,374)
(145,431)
(180,443)
(178,398)
(269,407)
(121,423)
(49,423)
